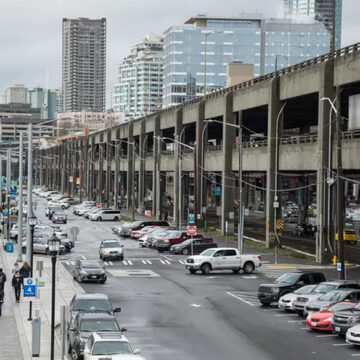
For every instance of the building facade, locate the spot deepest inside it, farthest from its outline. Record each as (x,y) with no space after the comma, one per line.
(35,97)
(249,40)
(15,94)
(140,79)
(83,64)
(321,10)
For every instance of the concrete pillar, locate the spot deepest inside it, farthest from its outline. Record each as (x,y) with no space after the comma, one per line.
(274,108)
(92,168)
(177,158)
(100,195)
(155,156)
(227,180)
(131,171)
(86,167)
(117,171)
(326,89)
(109,150)
(142,155)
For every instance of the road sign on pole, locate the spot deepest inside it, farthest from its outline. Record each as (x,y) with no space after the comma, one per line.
(191,218)
(29,287)
(191,230)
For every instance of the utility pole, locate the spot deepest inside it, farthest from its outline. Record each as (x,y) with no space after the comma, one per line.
(133,184)
(29,196)
(195,184)
(1,189)
(20,212)
(8,191)
(339,189)
(241,205)
(158,197)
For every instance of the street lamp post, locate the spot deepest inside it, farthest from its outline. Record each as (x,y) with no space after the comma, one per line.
(54,246)
(32,220)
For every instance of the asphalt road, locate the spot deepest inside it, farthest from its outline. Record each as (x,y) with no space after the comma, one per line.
(171,314)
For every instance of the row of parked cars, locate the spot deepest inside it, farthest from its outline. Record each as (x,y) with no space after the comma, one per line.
(93,331)
(330,306)
(89,210)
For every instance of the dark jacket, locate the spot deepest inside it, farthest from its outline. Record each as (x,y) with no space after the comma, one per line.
(17,282)
(2,278)
(24,273)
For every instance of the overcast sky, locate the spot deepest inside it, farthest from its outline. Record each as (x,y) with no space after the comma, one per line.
(30,30)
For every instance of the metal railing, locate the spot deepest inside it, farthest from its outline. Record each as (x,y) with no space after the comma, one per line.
(349,135)
(167,152)
(213,148)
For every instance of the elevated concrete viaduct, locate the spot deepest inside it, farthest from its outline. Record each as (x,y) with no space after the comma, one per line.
(284,109)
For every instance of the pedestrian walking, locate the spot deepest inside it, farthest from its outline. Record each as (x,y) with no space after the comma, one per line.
(17,282)
(25,270)
(15,269)
(2,288)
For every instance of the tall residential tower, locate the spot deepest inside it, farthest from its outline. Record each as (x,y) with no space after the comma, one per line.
(83,64)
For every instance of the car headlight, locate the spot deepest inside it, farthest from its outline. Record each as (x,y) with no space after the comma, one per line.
(82,272)
(275,290)
(329,318)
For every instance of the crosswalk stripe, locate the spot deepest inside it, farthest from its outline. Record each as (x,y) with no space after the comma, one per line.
(149,262)
(167,261)
(162,261)
(130,263)
(125,262)
(83,257)
(182,262)
(111,263)
(67,263)
(143,261)
(72,262)
(106,264)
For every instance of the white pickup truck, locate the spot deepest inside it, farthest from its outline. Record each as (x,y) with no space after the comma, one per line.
(222,259)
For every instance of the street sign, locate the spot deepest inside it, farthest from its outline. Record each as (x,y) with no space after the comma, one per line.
(99,205)
(198,216)
(191,230)
(280,224)
(9,247)
(74,230)
(71,179)
(191,218)
(119,198)
(218,191)
(338,266)
(5,213)
(41,282)
(226,226)
(29,287)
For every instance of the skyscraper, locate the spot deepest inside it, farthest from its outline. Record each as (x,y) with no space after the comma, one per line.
(321,10)
(219,41)
(140,79)
(83,64)
(15,94)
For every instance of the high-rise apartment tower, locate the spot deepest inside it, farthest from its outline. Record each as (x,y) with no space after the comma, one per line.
(83,64)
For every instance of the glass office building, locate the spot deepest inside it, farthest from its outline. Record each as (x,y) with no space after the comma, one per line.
(248,40)
(321,10)
(140,78)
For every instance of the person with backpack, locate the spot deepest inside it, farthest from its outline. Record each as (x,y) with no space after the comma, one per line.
(17,282)
(25,270)
(2,288)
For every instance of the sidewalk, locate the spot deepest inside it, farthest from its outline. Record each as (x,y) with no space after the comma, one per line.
(65,290)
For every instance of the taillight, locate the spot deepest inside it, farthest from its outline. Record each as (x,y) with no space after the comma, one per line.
(259,257)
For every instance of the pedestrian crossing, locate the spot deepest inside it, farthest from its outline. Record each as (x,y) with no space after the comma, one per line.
(132,262)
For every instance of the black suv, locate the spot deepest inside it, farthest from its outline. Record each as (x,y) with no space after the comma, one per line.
(287,283)
(83,325)
(344,320)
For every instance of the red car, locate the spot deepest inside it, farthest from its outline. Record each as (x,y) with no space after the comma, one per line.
(136,234)
(321,320)
(176,237)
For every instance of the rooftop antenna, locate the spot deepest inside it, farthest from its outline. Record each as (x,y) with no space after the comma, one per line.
(47,74)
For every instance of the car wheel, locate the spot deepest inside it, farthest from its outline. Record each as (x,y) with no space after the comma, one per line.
(116,218)
(121,258)
(205,269)
(100,257)
(265,303)
(185,251)
(248,267)
(103,281)
(236,271)
(192,271)
(99,218)
(160,250)
(69,348)
(74,354)
(65,222)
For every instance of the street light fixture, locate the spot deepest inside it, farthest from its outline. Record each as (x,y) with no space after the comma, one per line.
(32,221)
(54,247)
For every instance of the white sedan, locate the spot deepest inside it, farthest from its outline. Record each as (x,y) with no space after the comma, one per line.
(286,301)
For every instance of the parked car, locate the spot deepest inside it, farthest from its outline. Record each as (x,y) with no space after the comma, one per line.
(323,288)
(83,210)
(111,249)
(82,205)
(196,245)
(51,209)
(137,234)
(41,246)
(126,229)
(107,345)
(331,298)
(222,259)
(83,325)
(321,320)
(89,211)
(344,320)
(105,214)
(87,270)
(353,335)
(151,237)
(286,301)
(287,283)
(305,230)
(59,217)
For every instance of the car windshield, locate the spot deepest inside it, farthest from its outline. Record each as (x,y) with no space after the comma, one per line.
(90,264)
(111,348)
(174,234)
(186,242)
(92,305)
(92,325)
(331,296)
(339,307)
(208,252)
(324,288)
(307,289)
(288,279)
(135,224)
(111,244)
(59,213)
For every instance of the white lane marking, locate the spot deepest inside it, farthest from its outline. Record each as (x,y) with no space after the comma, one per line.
(181,262)
(143,261)
(345,344)
(195,305)
(355,354)
(72,262)
(324,336)
(125,262)
(167,261)
(106,264)
(305,328)
(295,321)
(163,262)
(281,315)
(111,263)
(149,262)
(239,298)
(83,257)
(130,263)
(165,257)
(67,263)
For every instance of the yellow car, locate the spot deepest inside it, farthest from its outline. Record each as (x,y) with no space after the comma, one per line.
(350,236)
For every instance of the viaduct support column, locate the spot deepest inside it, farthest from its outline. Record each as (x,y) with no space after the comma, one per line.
(108,168)
(274,108)
(326,89)
(100,196)
(92,170)
(142,156)
(155,210)
(130,169)
(177,163)
(117,172)
(227,182)
(86,167)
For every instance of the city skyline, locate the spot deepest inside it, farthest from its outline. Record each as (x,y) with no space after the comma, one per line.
(41,47)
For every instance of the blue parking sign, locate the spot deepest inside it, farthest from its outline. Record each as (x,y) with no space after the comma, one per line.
(29,287)
(9,247)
